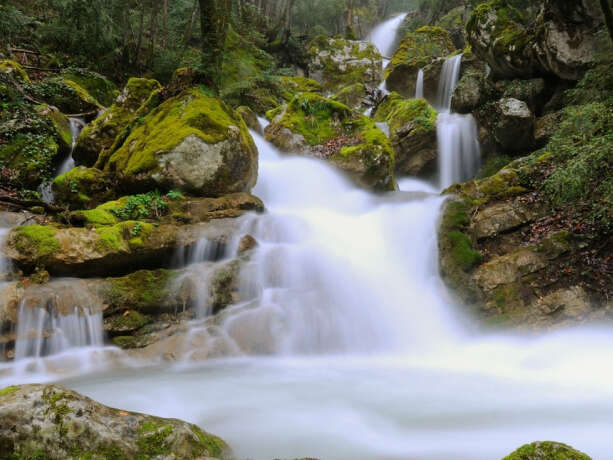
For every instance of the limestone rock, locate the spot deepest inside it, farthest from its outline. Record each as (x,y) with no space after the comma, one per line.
(57,423)
(508,268)
(193,143)
(571,302)
(514,127)
(336,62)
(501,217)
(101,133)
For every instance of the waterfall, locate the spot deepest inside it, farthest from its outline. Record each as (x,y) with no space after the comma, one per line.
(76,126)
(384,36)
(419,86)
(42,332)
(459,152)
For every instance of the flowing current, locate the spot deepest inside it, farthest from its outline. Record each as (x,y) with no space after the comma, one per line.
(350,346)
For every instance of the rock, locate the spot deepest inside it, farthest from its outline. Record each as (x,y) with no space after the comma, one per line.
(412,125)
(469,93)
(82,188)
(502,217)
(315,126)
(114,249)
(416,51)
(98,86)
(514,126)
(354,96)
(546,450)
(508,268)
(56,423)
(531,91)
(61,124)
(14,71)
(572,302)
(102,132)
(193,143)
(250,118)
(66,95)
(336,62)
(562,41)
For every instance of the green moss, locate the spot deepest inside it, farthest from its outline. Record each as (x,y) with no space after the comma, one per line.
(291,86)
(143,291)
(190,114)
(462,251)
(36,240)
(152,439)
(125,341)
(8,390)
(13,68)
(110,237)
(212,445)
(83,188)
(60,123)
(99,87)
(546,450)
(398,112)
(418,49)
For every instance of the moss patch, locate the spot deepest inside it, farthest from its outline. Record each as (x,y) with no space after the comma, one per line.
(37,241)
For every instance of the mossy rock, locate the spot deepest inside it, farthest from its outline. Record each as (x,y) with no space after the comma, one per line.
(83,188)
(54,422)
(546,450)
(98,86)
(354,96)
(412,124)
(313,125)
(336,62)
(416,50)
(101,134)
(61,124)
(14,70)
(192,142)
(67,95)
(32,146)
(297,84)
(250,118)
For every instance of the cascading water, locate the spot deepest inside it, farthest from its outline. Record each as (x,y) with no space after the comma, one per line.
(384,36)
(459,153)
(419,86)
(76,126)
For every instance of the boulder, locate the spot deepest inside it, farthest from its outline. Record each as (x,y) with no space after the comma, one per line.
(14,71)
(315,126)
(56,423)
(546,450)
(417,50)
(250,118)
(336,62)
(61,124)
(191,142)
(98,86)
(100,134)
(66,95)
(354,96)
(514,126)
(83,188)
(502,217)
(412,124)
(561,41)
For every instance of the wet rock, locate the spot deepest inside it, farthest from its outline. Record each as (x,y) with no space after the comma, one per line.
(57,423)
(336,62)
(108,249)
(82,188)
(546,450)
(102,132)
(250,118)
(193,143)
(417,50)
(502,217)
(315,126)
(412,124)
(508,268)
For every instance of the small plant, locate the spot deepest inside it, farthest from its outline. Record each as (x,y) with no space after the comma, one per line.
(136,230)
(174,195)
(143,206)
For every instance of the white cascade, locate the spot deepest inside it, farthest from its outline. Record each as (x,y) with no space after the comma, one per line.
(459,152)
(419,86)
(384,36)
(76,126)
(44,332)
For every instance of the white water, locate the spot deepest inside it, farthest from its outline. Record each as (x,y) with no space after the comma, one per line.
(76,125)
(419,86)
(459,153)
(384,36)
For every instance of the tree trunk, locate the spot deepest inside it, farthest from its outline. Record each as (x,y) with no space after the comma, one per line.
(608,16)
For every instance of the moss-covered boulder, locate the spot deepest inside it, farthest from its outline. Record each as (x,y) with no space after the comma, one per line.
(412,124)
(356,96)
(192,142)
(250,118)
(98,86)
(563,40)
(336,62)
(111,249)
(61,124)
(13,70)
(67,95)
(454,22)
(56,423)
(83,188)
(101,133)
(417,50)
(315,126)
(546,450)
(31,145)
